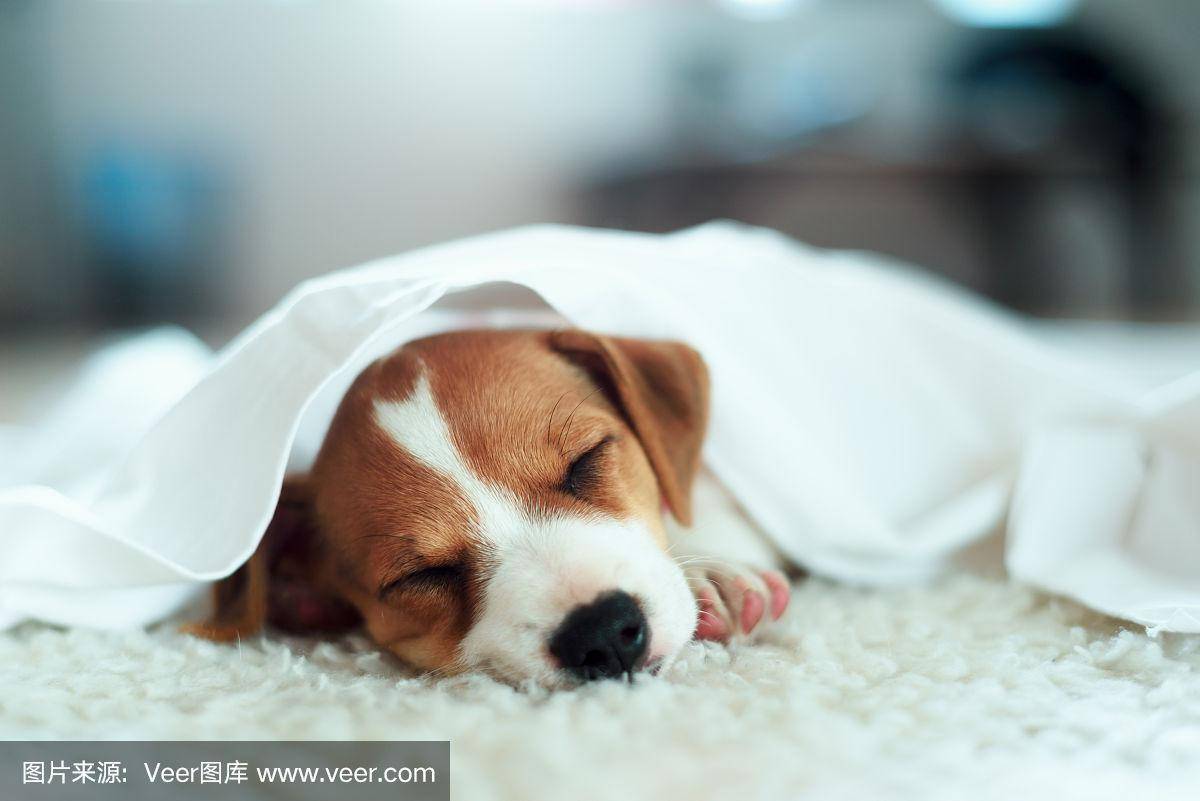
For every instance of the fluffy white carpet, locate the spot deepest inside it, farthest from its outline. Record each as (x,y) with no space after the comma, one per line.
(972,688)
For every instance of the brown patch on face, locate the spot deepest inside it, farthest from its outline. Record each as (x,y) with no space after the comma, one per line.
(399,534)
(521,417)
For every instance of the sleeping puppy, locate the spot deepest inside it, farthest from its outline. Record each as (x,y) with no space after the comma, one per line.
(518,502)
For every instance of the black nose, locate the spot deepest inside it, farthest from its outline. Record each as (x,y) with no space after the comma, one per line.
(603,639)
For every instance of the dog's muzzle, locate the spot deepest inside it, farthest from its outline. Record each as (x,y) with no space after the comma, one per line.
(605,639)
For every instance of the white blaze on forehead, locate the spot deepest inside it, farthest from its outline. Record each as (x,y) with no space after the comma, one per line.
(417,425)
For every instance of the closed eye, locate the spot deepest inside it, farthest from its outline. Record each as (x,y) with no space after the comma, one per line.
(585,471)
(428,579)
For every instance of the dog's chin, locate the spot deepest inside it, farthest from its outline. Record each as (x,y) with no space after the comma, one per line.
(547,677)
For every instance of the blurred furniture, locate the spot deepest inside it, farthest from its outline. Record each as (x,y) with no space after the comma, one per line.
(153,226)
(1053,108)
(1043,182)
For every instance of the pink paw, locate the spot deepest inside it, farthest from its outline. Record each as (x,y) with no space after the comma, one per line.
(736,599)
(780,591)
(710,625)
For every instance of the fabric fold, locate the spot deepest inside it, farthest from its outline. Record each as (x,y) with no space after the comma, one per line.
(872,420)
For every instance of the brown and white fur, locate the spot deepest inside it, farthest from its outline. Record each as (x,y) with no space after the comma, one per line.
(518,502)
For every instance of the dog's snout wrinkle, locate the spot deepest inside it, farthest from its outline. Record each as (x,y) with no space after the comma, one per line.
(606,638)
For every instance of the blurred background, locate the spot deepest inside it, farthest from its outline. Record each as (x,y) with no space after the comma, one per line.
(189,162)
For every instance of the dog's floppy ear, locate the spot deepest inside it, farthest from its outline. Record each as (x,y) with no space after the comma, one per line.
(661,388)
(279,583)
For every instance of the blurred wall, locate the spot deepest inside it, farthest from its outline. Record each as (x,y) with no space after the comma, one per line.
(345,131)
(354,130)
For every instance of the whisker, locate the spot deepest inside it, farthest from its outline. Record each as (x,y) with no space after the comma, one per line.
(562,436)
(712,566)
(709,583)
(729,567)
(385,536)
(550,422)
(690,560)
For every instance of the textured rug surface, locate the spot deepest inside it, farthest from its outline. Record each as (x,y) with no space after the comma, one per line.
(971,688)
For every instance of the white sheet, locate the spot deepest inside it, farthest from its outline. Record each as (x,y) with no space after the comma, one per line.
(873,421)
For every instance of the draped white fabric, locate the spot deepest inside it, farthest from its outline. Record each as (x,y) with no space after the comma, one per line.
(873,421)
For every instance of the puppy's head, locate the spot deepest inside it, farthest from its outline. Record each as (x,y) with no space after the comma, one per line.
(494,500)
